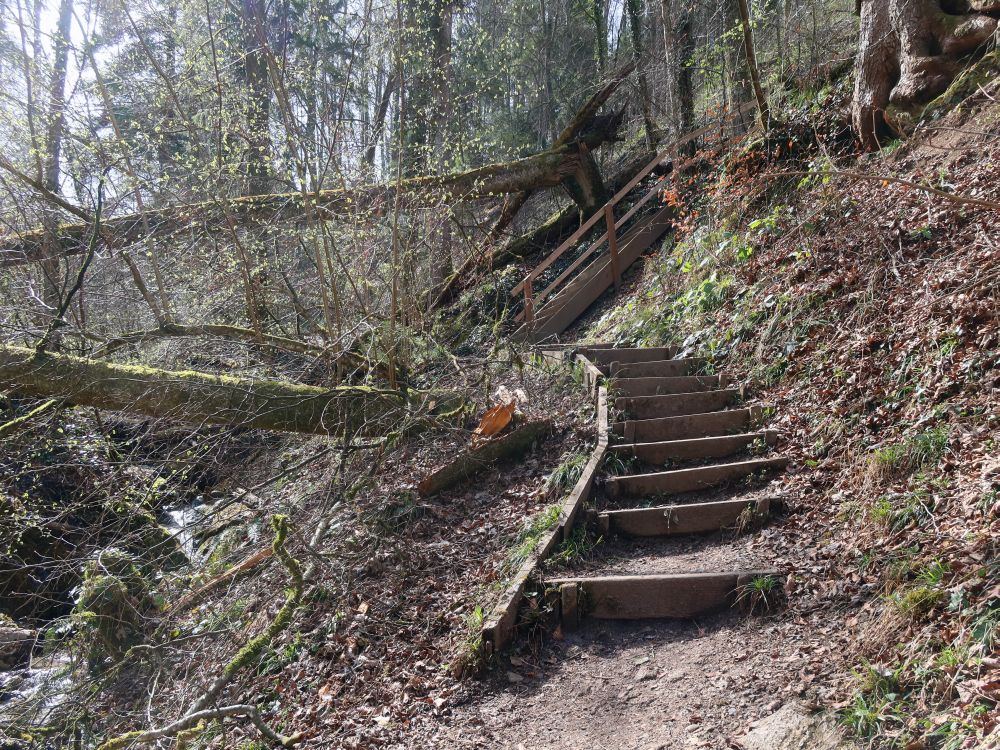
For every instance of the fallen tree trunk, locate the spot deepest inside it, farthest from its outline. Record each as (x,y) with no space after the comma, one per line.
(586,127)
(544,170)
(217,399)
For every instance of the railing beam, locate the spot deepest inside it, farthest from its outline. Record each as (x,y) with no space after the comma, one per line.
(616,271)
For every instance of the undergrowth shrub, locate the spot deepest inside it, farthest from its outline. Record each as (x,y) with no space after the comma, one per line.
(902,458)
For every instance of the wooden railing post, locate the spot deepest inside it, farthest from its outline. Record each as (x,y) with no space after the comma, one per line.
(529,303)
(616,271)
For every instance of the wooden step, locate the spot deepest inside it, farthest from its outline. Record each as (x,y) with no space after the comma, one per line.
(689,480)
(663,368)
(664,386)
(688,450)
(685,426)
(604,356)
(673,520)
(676,404)
(651,596)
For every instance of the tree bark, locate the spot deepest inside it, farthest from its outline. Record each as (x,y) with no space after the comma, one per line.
(909,52)
(748,44)
(51,283)
(216,399)
(441,264)
(378,126)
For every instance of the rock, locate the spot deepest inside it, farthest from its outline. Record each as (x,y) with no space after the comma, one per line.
(15,644)
(645,674)
(793,727)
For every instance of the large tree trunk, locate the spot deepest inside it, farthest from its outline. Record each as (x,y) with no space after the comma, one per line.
(258,99)
(218,399)
(55,124)
(545,170)
(443,17)
(910,51)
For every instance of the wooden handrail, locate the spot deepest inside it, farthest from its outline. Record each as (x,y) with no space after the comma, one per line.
(542,296)
(628,188)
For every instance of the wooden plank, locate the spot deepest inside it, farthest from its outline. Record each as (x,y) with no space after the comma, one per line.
(629,354)
(675,520)
(665,368)
(659,596)
(676,404)
(689,480)
(592,376)
(584,486)
(603,357)
(474,460)
(666,386)
(685,426)
(499,626)
(686,450)
(569,604)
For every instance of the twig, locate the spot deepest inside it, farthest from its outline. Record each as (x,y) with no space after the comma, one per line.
(13,425)
(190,599)
(193,720)
(48,194)
(199,713)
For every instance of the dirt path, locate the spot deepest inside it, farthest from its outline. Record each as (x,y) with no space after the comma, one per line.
(637,685)
(645,684)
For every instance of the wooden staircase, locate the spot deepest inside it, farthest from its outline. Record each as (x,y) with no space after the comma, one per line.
(668,416)
(551,311)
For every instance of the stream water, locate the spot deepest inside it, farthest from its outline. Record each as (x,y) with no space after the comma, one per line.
(183,521)
(28,696)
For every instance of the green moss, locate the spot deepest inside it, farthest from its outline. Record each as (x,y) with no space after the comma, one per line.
(966,83)
(918,601)
(112,605)
(255,647)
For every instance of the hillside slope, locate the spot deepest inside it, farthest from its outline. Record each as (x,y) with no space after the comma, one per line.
(868,313)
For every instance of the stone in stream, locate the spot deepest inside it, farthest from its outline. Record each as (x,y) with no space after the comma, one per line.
(16,644)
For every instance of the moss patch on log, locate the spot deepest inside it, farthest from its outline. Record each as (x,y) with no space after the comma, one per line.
(219,399)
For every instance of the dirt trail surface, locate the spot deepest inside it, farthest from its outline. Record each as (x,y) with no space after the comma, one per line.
(641,685)
(645,684)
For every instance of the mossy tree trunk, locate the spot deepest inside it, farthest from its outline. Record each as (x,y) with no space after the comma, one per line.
(547,169)
(197,397)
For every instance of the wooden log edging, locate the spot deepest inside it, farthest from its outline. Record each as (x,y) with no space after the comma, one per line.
(475,460)
(499,626)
